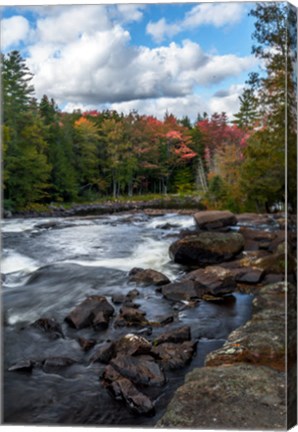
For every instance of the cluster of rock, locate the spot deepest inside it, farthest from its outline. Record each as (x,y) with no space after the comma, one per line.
(244,381)
(218,260)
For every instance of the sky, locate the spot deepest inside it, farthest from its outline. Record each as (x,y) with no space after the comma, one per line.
(180,58)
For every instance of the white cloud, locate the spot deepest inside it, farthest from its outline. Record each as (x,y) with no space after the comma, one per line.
(82,56)
(216,14)
(227,100)
(13,31)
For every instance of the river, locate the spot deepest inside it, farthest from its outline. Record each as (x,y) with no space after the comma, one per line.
(49,266)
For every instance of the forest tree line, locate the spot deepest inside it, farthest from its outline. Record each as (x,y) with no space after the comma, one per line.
(53,156)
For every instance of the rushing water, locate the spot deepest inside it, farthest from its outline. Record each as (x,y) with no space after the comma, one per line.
(51,265)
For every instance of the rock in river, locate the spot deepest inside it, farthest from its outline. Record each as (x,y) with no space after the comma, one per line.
(173,355)
(214,219)
(91,311)
(206,248)
(141,370)
(49,326)
(137,401)
(148,277)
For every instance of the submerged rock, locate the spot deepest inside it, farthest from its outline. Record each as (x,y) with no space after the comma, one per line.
(148,277)
(214,219)
(86,344)
(206,248)
(53,364)
(49,326)
(22,366)
(91,311)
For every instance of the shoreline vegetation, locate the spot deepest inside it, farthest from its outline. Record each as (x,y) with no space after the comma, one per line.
(234,163)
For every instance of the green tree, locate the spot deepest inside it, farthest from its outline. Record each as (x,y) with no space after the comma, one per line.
(60,152)
(26,168)
(264,167)
(247,116)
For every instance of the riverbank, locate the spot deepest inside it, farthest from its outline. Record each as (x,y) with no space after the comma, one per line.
(164,204)
(250,382)
(243,384)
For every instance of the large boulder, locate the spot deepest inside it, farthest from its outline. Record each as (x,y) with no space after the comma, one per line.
(234,397)
(94,311)
(261,340)
(206,248)
(148,277)
(214,219)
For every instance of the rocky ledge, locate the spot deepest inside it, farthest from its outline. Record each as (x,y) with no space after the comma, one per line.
(243,384)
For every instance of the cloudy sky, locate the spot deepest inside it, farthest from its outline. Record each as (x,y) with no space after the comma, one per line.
(181,58)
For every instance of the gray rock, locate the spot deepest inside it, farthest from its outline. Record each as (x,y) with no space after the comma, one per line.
(229,397)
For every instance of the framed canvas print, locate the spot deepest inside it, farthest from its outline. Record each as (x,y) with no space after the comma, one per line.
(149,206)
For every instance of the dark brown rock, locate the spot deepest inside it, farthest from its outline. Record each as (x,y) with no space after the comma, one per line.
(173,355)
(206,248)
(86,344)
(49,326)
(148,277)
(136,401)
(84,314)
(214,280)
(214,219)
(53,364)
(141,370)
(132,344)
(104,353)
(178,335)
(177,291)
(130,317)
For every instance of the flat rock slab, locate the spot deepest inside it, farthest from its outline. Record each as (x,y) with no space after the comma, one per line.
(206,248)
(229,397)
(131,344)
(214,219)
(91,311)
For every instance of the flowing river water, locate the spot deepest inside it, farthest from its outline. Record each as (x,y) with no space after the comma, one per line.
(51,265)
